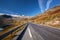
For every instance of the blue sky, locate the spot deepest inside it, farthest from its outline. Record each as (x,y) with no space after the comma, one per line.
(26,7)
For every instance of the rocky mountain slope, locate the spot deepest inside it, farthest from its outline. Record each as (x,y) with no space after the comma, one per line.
(49,17)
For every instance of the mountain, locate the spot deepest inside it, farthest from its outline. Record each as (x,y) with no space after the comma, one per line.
(50,17)
(5,20)
(8,20)
(6,16)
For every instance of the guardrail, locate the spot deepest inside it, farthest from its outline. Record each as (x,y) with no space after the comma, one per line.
(22,33)
(10,32)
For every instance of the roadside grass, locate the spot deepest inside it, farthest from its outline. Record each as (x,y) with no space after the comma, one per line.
(13,34)
(11,27)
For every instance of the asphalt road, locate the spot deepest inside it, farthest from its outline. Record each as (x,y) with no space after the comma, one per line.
(39,32)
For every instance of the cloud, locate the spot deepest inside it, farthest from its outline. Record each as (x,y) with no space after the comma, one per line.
(15,15)
(8,11)
(41,5)
(48,4)
(22,15)
(1,13)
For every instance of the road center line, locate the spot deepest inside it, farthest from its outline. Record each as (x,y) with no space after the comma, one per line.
(29,32)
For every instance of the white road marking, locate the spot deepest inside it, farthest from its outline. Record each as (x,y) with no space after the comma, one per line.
(29,32)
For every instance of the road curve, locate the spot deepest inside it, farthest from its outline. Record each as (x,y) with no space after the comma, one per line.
(40,32)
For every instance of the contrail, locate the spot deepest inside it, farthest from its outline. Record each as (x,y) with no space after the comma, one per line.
(48,4)
(40,5)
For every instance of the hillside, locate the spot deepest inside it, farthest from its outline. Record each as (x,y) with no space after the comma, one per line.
(8,20)
(50,17)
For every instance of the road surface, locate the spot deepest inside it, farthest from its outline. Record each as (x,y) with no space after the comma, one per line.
(39,32)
